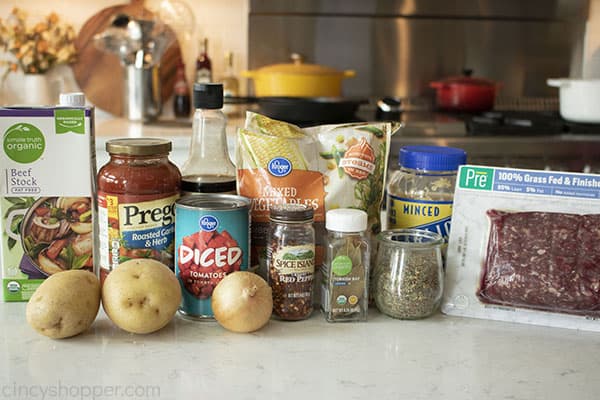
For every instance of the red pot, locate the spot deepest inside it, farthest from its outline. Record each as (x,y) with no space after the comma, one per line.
(464,93)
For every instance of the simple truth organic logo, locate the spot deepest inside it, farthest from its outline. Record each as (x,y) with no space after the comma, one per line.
(24,143)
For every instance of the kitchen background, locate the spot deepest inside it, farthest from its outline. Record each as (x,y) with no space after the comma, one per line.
(225,23)
(396,47)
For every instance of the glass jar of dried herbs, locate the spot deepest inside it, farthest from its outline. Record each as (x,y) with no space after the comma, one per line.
(291,260)
(346,267)
(408,278)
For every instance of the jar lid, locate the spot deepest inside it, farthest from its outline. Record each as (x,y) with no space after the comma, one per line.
(138,146)
(288,212)
(298,66)
(411,238)
(431,158)
(346,220)
(208,96)
(214,201)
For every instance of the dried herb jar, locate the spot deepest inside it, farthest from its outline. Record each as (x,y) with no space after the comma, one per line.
(408,278)
(346,266)
(291,260)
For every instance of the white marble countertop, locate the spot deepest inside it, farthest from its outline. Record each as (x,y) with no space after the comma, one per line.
(438,358)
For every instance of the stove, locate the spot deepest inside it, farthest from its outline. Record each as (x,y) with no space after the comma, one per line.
(505,138)
(525,123)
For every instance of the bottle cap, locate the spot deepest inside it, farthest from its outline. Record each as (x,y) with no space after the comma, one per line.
(431,158)
(346,220)
(208,95)
(75,99)
(288,212)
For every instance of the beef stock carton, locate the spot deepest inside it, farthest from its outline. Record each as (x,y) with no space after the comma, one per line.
(47,165)
(525,247)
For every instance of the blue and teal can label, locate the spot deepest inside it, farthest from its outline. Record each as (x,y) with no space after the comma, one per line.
(212,239)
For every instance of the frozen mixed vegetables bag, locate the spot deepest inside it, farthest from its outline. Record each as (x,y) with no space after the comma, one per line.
(327,167)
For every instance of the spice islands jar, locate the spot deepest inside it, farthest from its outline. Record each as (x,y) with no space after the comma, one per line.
(421,193)
(291,260)
(137,190)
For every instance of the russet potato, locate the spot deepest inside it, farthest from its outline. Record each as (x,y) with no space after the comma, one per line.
(65,304)
(141,295)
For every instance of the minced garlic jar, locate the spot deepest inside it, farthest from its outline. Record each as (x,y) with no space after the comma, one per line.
(420,193)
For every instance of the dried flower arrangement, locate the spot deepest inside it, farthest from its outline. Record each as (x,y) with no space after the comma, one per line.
(36,48)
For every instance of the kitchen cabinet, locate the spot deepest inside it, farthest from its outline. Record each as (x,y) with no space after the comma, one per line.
(437,358)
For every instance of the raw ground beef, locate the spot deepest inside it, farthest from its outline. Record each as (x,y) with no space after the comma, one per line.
(542,260)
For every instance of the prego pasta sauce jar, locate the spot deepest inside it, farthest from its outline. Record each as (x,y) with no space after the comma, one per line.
(137,190)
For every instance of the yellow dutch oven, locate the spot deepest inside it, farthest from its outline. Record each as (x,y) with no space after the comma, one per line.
(297,79)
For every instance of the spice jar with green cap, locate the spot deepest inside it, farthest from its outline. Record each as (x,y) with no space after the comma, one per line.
(346,267)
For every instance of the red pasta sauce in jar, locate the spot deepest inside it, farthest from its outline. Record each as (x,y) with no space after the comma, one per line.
(137,190)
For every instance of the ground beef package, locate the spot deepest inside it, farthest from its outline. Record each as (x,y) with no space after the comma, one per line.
(525,247)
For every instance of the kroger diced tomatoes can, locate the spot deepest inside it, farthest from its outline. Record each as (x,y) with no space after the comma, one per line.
(212,239)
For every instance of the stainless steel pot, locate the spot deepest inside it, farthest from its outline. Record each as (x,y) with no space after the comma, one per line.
(142,101)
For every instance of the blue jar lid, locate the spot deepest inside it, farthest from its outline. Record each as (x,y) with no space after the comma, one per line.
(432,158)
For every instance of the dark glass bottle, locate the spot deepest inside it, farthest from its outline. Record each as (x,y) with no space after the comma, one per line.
(181,94)
(208,168)
(203,64)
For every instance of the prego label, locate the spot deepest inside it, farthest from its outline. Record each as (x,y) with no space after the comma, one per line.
(135,227)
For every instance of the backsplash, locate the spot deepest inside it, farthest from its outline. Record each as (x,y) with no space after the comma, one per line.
(228,27)
(397,47)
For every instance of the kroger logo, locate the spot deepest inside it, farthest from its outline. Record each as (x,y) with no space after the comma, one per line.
(279,166)
(209,223)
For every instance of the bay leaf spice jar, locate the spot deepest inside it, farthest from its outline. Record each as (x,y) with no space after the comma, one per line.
(345,294)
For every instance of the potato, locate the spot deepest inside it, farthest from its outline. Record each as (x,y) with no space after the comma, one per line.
(65,304)
(141,295)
